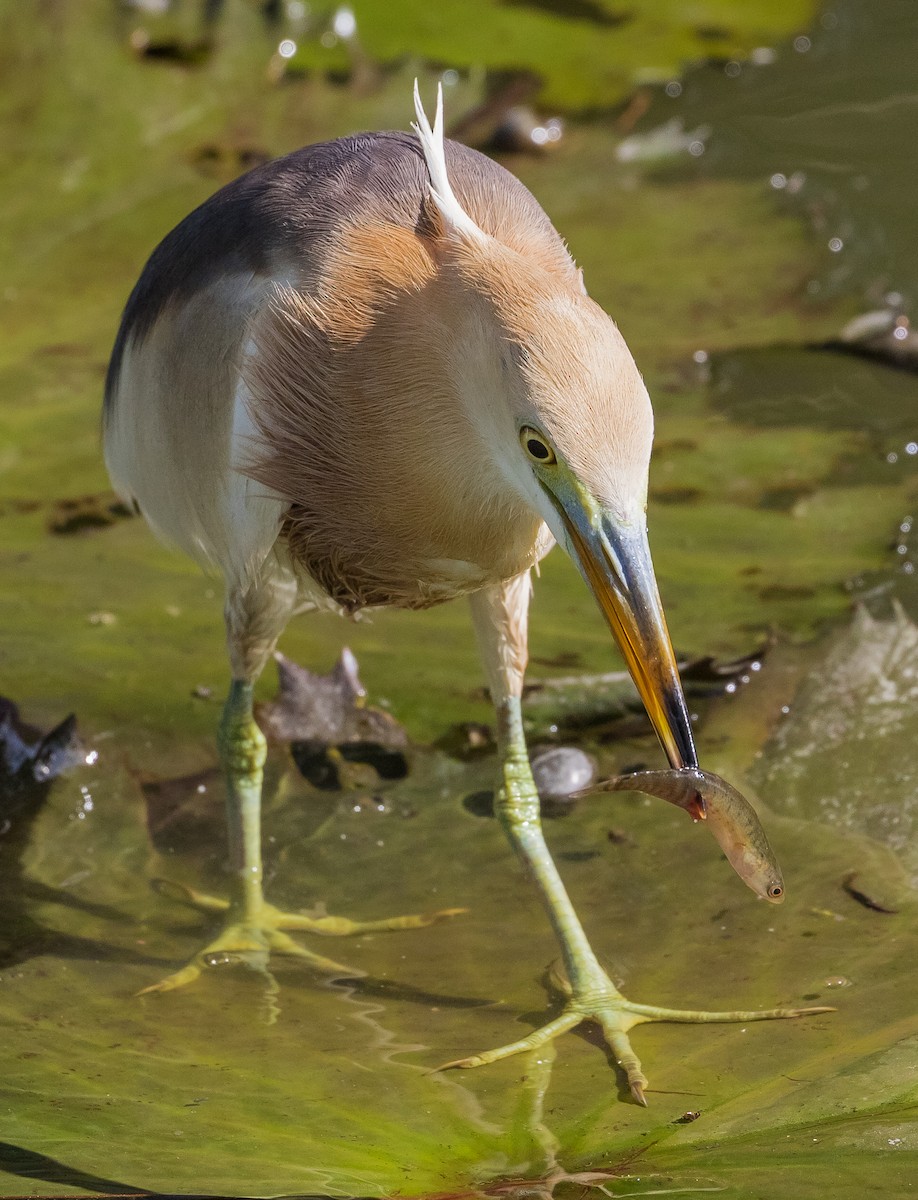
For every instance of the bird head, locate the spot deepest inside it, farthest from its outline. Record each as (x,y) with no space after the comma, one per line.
(562,408)
(583,428)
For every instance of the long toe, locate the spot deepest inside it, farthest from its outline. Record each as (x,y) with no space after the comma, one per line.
(344,927)
(616,1016)
(251,932)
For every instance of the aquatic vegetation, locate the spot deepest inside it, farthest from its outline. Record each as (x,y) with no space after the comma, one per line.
(777,501)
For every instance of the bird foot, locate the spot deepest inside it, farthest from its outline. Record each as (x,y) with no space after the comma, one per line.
(616,1016)
(250,936)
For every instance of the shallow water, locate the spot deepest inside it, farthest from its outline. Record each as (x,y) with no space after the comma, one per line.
(781,486)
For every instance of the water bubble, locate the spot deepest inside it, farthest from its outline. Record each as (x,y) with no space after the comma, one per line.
(344,23)
(696,149)
(700,356)
(450,77)
(287,48)
(763,56)
(778,181)
(900,333)
(911,447)
(802,44)
(892,457)
(673,88)
(836,244)
(732,69)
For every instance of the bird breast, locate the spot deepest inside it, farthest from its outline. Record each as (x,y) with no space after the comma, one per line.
(393,494)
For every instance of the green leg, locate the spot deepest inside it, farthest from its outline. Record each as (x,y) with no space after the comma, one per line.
(243,750)
(591,995)
(252,928)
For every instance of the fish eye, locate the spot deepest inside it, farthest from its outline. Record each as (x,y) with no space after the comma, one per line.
(775,892)
(536,446)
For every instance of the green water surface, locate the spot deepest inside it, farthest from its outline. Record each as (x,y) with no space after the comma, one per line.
(781,491)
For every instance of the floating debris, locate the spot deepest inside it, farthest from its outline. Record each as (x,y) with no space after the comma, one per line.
(521,130)
(862,897)
(225,160)
(668,141)
(101,618)
(618,837)
(610,702)
(336,739)
(80,513)
(31,759)
(467,741)
(882,334)
(328,709)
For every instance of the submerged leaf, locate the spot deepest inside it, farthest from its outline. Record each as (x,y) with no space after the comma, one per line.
(330,710)
(845,752)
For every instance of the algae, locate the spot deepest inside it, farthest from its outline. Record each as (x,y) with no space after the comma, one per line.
(770,499)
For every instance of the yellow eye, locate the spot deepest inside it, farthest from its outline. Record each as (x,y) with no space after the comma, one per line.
(536,446)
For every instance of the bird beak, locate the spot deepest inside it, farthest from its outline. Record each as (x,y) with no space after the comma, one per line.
(615,561)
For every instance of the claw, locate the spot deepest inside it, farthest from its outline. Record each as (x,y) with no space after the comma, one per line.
(187,974)
(459,1064)
(637,1091)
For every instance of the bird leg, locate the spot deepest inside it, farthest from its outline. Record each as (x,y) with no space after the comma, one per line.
(590,995)
(252,928)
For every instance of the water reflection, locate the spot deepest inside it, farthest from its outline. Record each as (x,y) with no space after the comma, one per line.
(827,120)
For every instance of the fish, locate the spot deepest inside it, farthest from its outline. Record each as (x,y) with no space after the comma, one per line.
(726,812)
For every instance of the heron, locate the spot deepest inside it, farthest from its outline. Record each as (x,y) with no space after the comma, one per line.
(369,374)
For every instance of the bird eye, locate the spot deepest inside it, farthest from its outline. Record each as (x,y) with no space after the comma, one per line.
(536,446)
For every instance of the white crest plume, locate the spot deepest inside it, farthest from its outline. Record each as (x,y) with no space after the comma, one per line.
(456,218)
